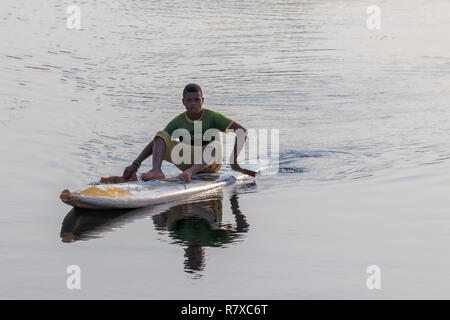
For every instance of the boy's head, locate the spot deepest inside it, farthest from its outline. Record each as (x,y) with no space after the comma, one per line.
(193,98)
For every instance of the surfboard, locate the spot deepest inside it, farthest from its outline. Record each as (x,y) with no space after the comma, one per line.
(140,194)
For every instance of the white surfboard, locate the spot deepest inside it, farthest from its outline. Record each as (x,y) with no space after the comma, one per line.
(140,194)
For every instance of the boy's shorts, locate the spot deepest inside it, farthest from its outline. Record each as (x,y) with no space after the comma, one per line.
(170,144)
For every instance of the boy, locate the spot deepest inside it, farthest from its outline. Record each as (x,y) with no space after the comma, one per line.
(163,148)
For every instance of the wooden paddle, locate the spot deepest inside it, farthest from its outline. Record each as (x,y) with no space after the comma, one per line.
(245,171)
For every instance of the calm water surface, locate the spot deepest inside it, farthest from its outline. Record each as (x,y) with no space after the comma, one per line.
(364,149)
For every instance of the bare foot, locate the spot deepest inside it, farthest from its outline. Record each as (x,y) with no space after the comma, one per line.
(152,175)
(185,176)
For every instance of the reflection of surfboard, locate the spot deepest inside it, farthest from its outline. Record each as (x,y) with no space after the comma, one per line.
(141,194)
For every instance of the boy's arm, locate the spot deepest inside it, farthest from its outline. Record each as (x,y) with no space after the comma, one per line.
(241,137)
(147,152)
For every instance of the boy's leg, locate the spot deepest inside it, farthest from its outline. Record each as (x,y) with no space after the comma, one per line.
(208,162)
(188,173)
(213,153)
(163,151)
(158,153)
(159,149)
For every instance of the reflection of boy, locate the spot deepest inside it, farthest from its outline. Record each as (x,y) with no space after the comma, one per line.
(163,148)
(199,224)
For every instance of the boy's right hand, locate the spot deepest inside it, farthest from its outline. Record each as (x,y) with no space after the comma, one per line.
(128,172)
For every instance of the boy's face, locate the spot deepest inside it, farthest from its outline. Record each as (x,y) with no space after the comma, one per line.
(193,102)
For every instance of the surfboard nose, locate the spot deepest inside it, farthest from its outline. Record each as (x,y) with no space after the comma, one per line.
(66,195)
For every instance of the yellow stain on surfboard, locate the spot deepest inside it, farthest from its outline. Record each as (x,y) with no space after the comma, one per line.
(107,191)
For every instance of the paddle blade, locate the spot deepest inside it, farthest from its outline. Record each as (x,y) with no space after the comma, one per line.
(247,172)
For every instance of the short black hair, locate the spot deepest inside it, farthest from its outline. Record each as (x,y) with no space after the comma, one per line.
(192,87)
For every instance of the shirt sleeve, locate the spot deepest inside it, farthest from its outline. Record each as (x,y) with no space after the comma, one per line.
(222,122)
(171,126)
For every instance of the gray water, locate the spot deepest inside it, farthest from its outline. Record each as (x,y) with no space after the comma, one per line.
(364,149)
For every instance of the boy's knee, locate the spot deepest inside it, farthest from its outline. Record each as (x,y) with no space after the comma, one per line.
(159,140)
(162,136)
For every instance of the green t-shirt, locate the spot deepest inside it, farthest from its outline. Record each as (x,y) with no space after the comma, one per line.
(209,120)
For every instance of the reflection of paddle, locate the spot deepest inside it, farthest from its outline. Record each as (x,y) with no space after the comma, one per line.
(244,171)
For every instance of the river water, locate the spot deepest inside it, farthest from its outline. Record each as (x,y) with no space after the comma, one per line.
(364,153)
